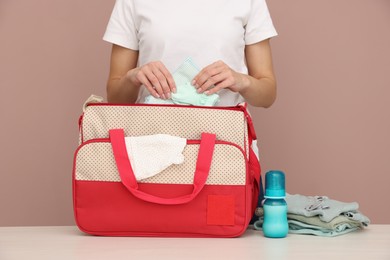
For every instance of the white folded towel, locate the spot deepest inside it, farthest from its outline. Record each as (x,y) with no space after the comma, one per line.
(151,154)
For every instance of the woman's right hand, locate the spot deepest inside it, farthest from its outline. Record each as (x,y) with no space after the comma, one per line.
(155,77)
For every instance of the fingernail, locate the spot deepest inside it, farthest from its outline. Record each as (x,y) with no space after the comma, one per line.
(193,82)
(206,92)
(174,90)
(168,95)
(199,90)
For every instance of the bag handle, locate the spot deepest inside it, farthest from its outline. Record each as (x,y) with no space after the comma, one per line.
(205,155)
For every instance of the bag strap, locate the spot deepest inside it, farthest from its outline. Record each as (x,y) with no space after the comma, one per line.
(251,129)
(205,155)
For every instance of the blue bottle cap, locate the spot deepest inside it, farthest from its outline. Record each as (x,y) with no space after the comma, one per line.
(275,185)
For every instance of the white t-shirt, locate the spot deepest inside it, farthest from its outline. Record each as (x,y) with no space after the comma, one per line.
(205,30)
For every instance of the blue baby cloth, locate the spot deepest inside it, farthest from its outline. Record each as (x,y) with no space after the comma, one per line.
(322,206)
(300,227)
(185,93)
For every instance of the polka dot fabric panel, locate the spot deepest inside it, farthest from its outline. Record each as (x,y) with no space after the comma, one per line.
(95,162)
(187,122)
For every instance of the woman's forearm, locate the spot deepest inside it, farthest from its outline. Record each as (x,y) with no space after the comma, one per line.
(258,92)
(120,86)
(259,87)
(122,90)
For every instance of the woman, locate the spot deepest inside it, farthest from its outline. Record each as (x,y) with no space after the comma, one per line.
(229,39)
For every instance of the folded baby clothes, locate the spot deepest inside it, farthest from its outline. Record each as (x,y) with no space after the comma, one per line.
(327,209)
(319,215)
(340,225)
(316,221)
(357,216)
(185,92)
(297,227)
(149,155)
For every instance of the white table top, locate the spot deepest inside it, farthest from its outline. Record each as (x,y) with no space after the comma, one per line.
(18,243)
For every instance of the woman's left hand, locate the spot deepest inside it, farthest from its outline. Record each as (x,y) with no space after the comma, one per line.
(221,76)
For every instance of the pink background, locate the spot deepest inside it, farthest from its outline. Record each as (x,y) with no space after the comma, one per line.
(329,129)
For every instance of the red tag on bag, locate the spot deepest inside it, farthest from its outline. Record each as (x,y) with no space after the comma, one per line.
(220,210)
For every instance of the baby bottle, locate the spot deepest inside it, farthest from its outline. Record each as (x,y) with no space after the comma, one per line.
(275,207)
